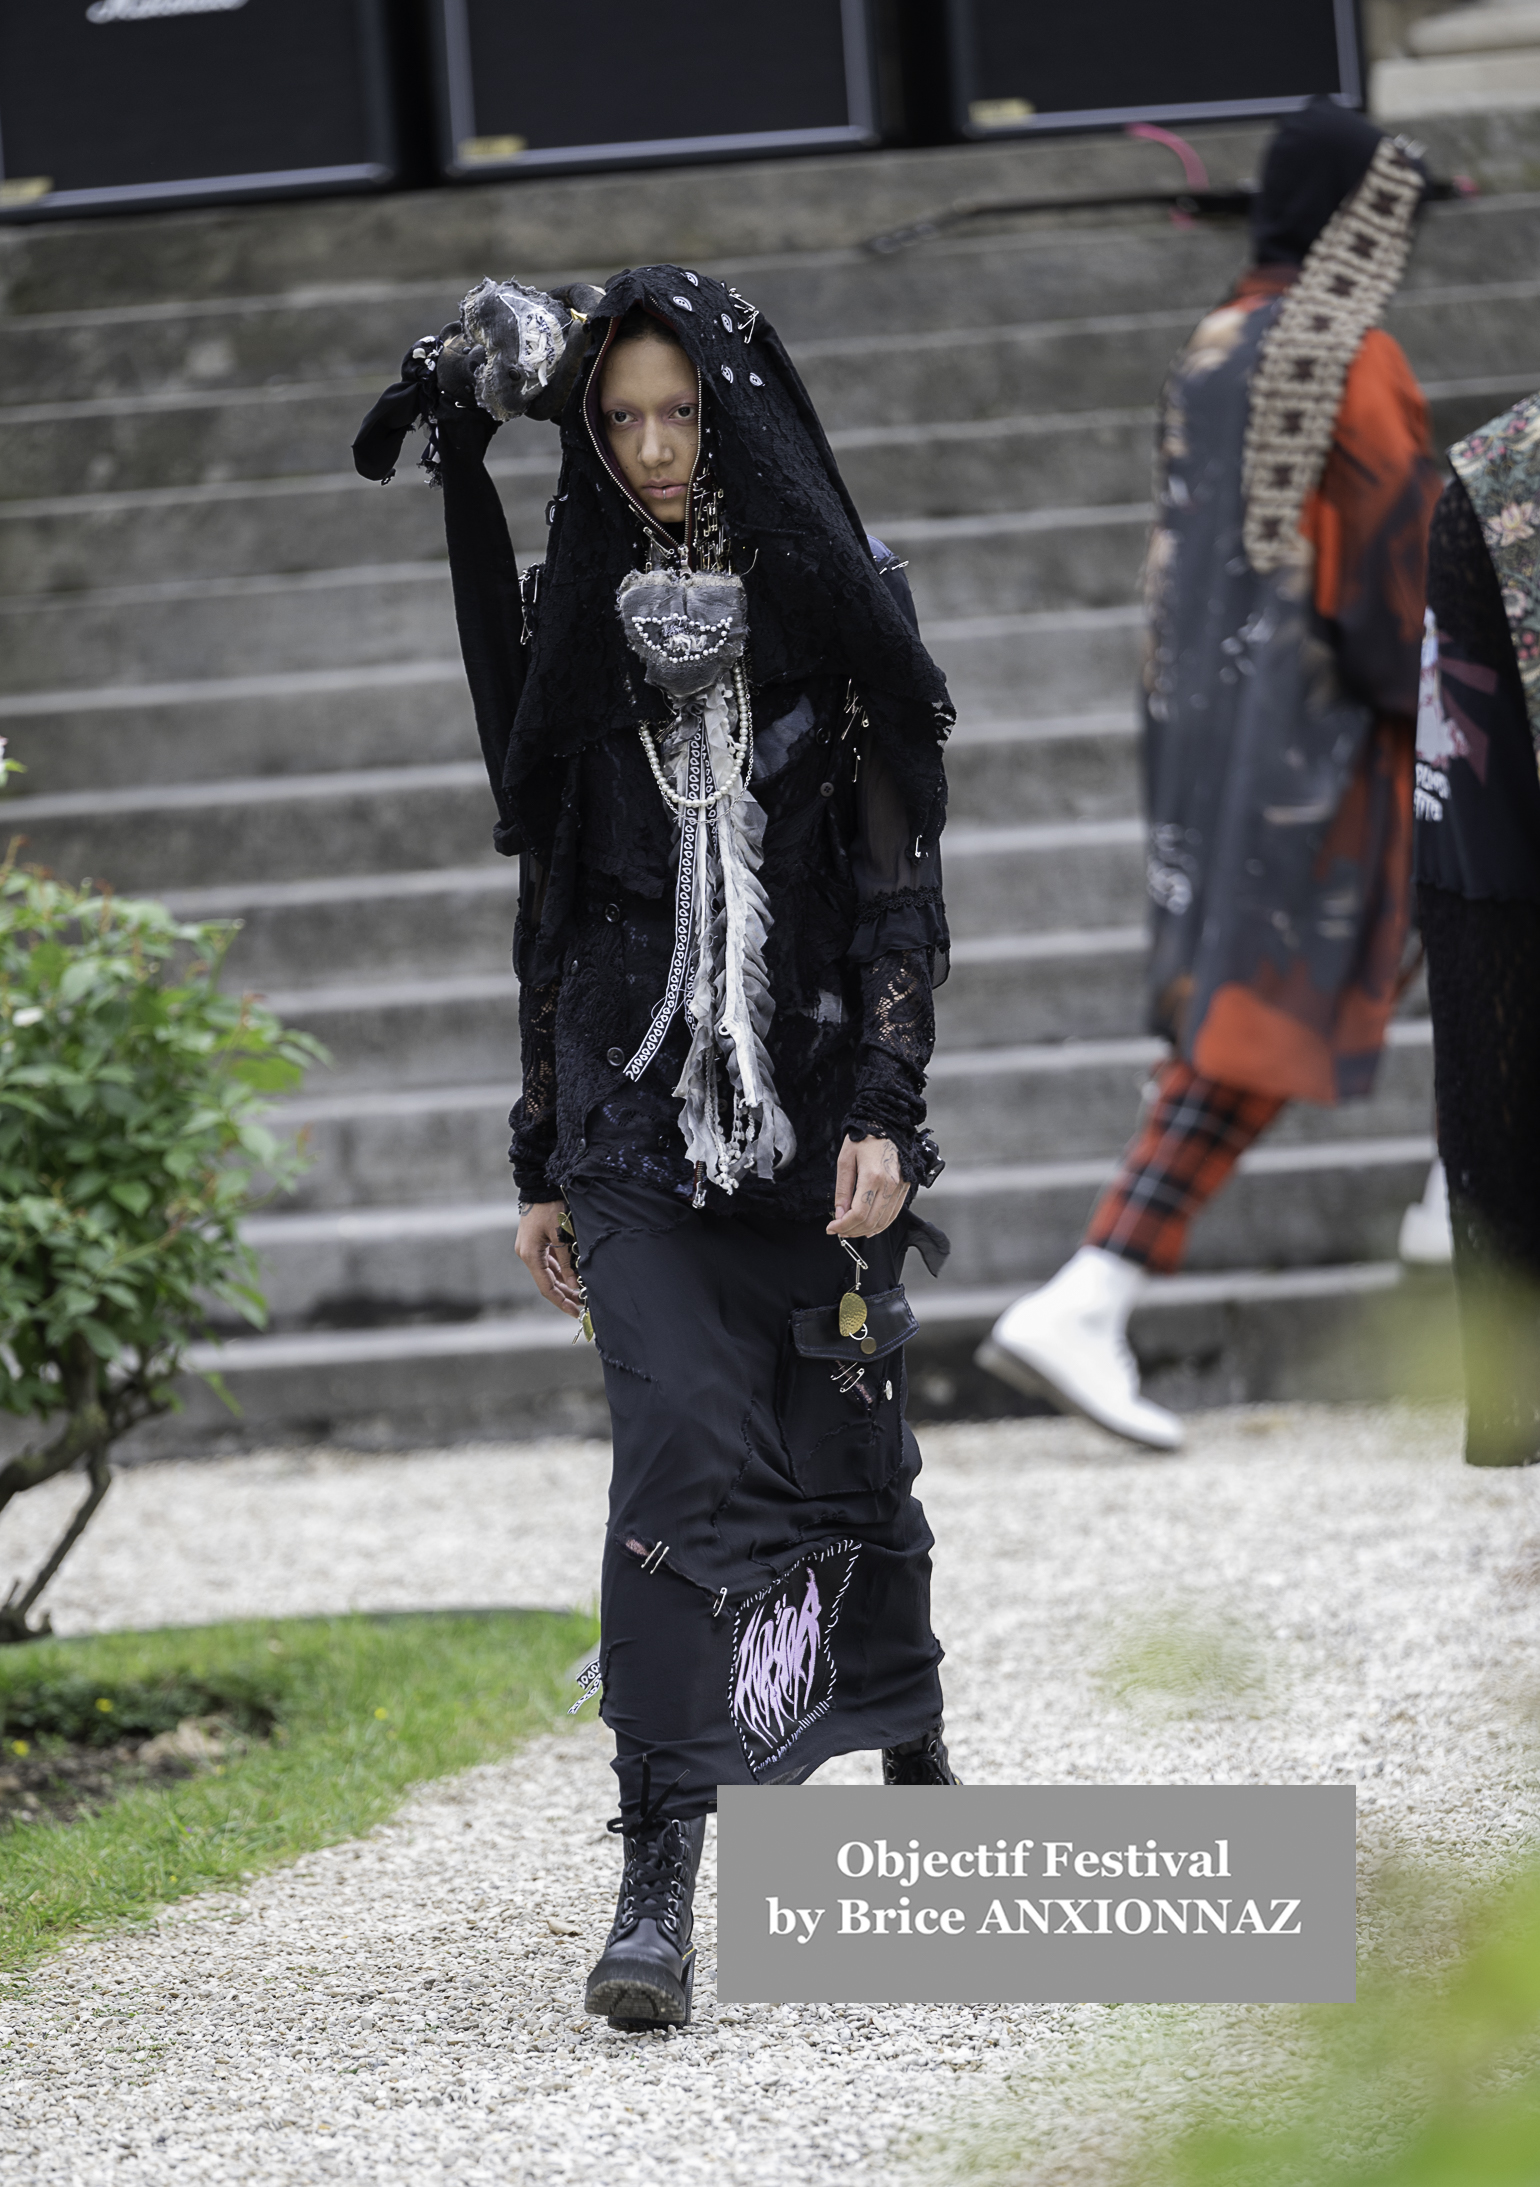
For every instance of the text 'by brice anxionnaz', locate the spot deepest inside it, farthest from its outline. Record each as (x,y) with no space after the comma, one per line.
(903,1869)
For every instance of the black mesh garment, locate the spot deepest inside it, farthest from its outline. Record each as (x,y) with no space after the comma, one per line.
(1484,990)
(1478,899)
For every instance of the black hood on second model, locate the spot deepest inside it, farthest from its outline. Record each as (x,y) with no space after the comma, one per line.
(1318,157)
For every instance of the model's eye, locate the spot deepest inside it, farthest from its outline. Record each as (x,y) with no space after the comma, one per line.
(619,417)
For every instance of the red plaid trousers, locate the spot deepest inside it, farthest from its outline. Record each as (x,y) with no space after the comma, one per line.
(1193,1134)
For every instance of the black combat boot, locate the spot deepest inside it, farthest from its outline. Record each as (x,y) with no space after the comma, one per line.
(919,1762)
(646,1973)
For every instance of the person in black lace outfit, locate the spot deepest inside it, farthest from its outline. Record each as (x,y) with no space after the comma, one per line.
(1478,899)
(765,1587)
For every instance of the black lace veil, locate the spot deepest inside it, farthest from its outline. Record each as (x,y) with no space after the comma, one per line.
(817,604)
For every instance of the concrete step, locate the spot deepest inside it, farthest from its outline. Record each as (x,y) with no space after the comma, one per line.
(243,838)
(1096,361)
(69,541)
(274,828)
(751,209)
(1022,560)
(745,210)
(1068,664)
(416,1030)
(1064,662)
(363,327)
(183,439)
(224,626)
(228,728)
(1032,561)
(1290,1206)
(180,735)
(370,824)
(1306,1205)
(66,543)
(251,527)
(970,279)
(1070,1100)
(1368,1331)
(1084,983)
(399,1146)
(1033,1102)
(1114,359)
(447,921)
(1068,767)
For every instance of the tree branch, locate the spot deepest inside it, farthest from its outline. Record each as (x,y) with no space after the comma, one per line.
(13,1614)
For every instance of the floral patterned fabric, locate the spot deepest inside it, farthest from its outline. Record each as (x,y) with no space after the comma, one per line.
(1499,468)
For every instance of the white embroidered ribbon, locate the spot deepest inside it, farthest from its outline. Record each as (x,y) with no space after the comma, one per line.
(721,922)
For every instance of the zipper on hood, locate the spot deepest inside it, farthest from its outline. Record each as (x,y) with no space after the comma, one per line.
(606,454)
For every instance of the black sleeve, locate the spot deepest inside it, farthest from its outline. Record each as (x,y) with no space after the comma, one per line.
(488,609)
(899,954)
(534,1113)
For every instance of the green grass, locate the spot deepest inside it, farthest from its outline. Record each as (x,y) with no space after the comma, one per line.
(1176,1660)
(365,1708)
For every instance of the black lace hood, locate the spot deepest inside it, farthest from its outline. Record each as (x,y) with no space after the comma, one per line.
(817,605)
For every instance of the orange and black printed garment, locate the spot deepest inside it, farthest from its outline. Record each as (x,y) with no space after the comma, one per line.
(1279,722)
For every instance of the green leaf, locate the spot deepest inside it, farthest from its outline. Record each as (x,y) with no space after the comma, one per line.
(133,1193)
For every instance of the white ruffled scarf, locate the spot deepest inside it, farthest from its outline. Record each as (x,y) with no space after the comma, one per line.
(721,921)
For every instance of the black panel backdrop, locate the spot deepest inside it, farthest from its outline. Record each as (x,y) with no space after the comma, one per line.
(1132,58)
(532,84)
(261,88)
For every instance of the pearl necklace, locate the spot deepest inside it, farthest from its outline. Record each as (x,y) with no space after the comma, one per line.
(742,750)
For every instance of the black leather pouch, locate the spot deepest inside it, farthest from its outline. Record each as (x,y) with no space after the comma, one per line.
(840,1408)
(815,1330)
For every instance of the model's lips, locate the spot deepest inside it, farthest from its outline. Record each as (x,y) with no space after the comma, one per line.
(664,486)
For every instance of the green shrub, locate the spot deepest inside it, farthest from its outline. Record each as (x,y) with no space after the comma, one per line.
(131,1144)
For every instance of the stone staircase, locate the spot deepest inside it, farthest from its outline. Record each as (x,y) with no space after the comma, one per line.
(230,669)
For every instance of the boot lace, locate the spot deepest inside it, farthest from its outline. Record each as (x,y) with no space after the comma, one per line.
(655,1881)
(656,1877)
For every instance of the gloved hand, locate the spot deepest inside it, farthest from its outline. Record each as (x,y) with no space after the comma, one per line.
(523,372)
(436,389)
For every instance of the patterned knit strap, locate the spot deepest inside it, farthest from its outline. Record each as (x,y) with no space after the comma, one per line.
(1349,275)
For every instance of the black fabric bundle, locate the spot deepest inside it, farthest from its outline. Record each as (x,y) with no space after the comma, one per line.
(817,604)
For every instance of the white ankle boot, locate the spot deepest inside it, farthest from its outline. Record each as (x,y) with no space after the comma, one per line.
(1069,1337)
(1427,1241)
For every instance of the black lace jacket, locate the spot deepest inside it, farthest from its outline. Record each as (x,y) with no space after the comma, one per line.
(859,936)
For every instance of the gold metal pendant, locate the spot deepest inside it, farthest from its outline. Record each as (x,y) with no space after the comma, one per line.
(869,1344)
(852,1314)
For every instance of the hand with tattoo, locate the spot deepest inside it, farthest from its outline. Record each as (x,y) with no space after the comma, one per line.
(869,1193)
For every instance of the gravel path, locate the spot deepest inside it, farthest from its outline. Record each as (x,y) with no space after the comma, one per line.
(1361,1607)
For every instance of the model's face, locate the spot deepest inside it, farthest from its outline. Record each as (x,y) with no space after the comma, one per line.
(649,400)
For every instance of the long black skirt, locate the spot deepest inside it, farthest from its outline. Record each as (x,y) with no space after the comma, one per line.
(765,1595)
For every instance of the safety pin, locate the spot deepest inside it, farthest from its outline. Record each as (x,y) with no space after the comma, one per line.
(716,1607)
(653,1561)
